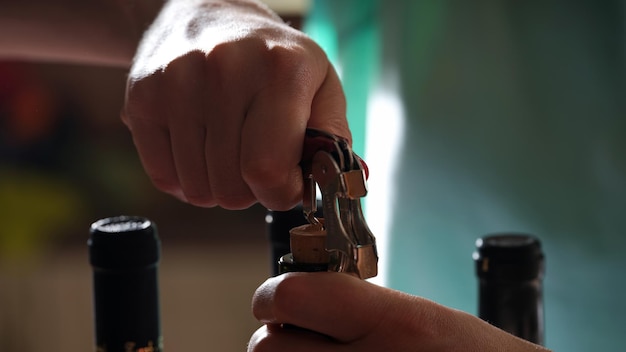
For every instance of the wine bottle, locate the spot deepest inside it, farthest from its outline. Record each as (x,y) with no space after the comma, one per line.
(124,253)
(510,270)
(296,245)
(278,225)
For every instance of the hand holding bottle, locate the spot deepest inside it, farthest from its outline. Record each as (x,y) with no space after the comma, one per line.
(344,313)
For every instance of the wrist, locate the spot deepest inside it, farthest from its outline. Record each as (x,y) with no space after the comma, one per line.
(183,26)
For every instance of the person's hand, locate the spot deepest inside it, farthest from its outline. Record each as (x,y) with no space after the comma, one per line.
(339,312)
(219,96)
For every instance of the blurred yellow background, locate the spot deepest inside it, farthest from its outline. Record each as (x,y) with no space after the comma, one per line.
(83,167)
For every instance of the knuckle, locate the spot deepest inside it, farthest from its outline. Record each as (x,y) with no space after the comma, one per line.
(294,67)
(275,185)
(265,173)
(142,99)
(222,60)
(150,92)
(184,69)
(139,93)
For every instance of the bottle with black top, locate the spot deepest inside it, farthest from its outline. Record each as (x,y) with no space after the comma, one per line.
(510,270)
(124,253)
(278,225)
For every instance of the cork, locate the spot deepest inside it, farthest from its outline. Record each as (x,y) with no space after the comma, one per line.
(308,244)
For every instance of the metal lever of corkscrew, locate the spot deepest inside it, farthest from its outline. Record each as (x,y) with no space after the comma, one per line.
(341,177)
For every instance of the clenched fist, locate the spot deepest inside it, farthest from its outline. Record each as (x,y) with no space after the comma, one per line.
(218,99)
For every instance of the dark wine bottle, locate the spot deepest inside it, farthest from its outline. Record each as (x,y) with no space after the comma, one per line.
(124,253)
(278,225)
(510,270)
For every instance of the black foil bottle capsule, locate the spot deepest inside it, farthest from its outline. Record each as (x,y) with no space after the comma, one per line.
(124,253)
(510,270)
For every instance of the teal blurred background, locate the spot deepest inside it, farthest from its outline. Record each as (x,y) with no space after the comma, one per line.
(474,117)
(487,116)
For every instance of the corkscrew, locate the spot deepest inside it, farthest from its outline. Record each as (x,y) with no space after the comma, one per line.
(340,241)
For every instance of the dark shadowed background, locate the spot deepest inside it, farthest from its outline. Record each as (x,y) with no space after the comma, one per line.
(67,160)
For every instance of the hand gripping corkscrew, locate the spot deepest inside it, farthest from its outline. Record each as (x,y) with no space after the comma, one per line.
(340,241)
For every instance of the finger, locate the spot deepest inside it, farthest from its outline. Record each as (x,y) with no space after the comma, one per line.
(338,305)
(142,114)
(275,338)
(271,145)
(188,140)
(185,110)
(307,93)
(360,316)
(228,188)
(226,103)
(328,109)
(155,152)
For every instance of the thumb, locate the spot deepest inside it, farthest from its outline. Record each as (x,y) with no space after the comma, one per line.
(334,304)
